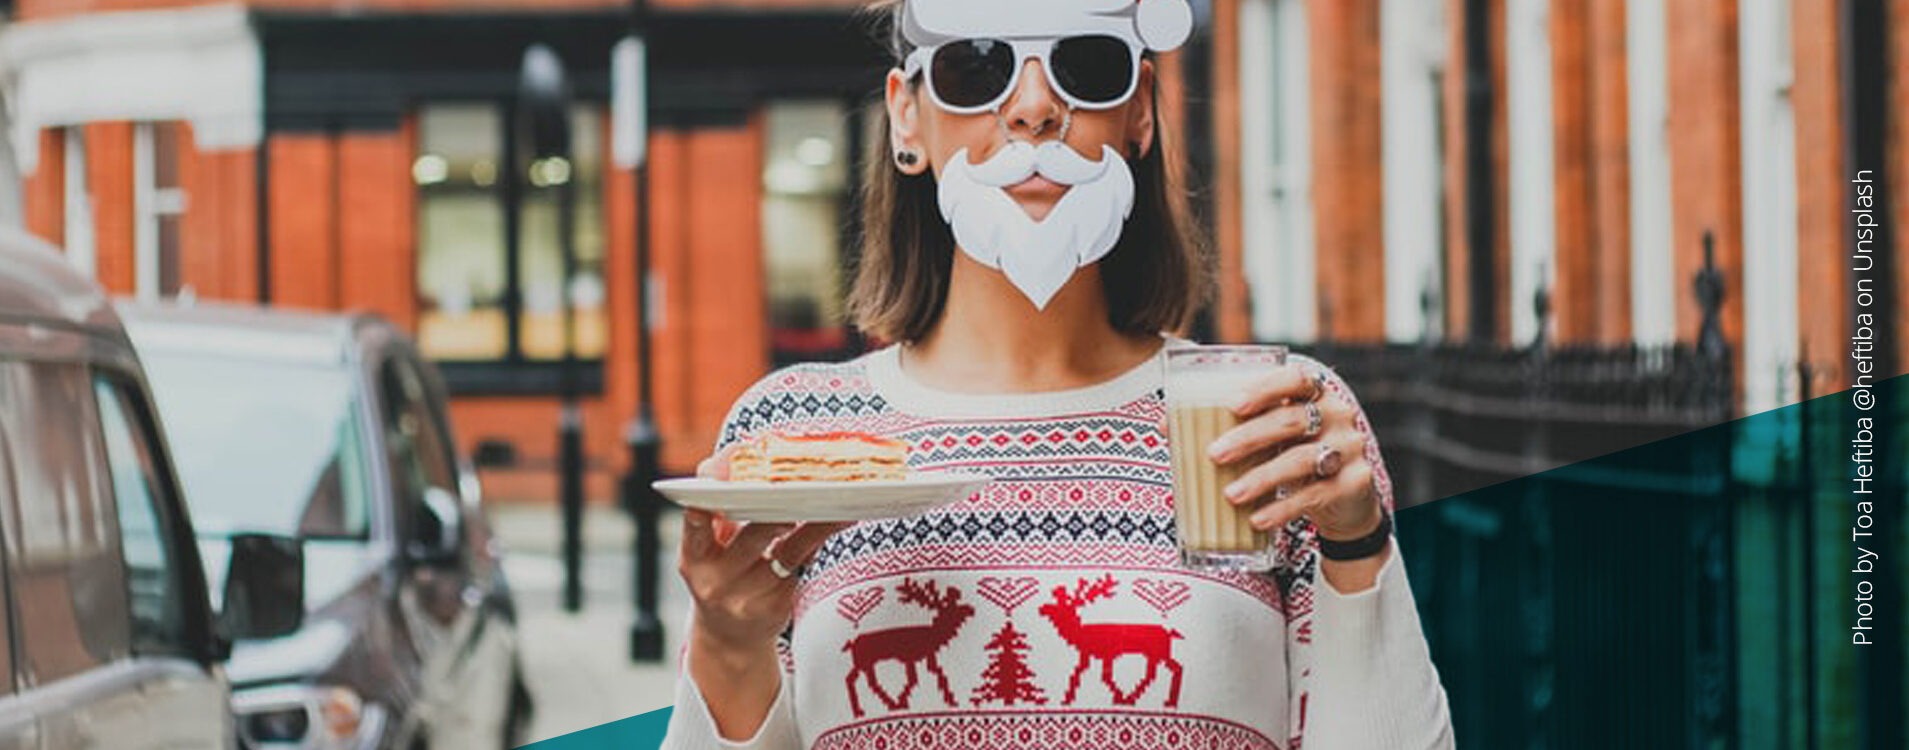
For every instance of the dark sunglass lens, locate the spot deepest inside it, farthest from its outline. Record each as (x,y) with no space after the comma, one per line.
(1094,69)
(972,73)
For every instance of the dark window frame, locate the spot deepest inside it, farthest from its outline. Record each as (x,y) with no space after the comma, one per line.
(514,374)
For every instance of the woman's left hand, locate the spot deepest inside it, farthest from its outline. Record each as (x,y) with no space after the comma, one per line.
(1304,455)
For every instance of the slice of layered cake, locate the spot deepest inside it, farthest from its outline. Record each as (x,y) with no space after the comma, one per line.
(823,457)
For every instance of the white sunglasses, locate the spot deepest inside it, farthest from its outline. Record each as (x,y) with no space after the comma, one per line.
(972,76)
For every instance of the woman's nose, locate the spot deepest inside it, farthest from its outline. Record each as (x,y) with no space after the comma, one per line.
(1033,110)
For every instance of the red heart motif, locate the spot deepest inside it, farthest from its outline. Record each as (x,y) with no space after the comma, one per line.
(856,606)
(1165,596)
(1008,593)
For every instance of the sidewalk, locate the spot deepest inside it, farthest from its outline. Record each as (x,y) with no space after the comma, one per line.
(578,665)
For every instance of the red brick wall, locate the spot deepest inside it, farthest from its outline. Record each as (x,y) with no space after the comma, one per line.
(43,193)
(219,231)
(1821,197)
(1590,107)
(109,176)
(302,194)
(377,225)
(1233,316)
(1706,174)
(1348,168)
(706,247)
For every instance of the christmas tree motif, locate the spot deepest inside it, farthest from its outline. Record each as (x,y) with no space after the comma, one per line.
(1008,679)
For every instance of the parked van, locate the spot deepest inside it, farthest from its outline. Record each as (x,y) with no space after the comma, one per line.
(107,632)
(332,428)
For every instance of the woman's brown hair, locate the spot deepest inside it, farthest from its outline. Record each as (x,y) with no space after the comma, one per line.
(1155,279)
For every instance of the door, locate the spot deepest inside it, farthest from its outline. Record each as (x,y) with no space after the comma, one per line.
(440,601)
(18,728)
(184,703)
(104,621)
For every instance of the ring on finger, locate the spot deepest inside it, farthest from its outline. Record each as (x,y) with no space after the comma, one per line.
(1328,462)
(1315,421)
(1318,378)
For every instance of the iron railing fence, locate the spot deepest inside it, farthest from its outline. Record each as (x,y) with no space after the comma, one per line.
(1616,560)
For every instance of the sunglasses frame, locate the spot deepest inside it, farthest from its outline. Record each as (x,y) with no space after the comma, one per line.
(1025,48)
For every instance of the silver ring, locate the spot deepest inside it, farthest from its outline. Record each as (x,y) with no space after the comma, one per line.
(1315,421)
(1327,463)
(781,571)
(1318,385)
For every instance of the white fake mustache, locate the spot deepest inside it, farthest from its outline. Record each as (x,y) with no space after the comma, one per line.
(1020,160)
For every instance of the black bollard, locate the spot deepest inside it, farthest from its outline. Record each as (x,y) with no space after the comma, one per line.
(645,505)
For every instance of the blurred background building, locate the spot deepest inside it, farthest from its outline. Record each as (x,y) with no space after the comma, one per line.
(1380,170)
(1530,231)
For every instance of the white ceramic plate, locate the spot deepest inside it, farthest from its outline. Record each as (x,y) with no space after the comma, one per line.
(788,502)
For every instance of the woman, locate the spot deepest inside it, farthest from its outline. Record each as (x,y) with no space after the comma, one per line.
(1026,247)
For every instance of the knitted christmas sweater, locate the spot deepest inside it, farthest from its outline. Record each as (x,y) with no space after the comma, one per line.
(1050,610)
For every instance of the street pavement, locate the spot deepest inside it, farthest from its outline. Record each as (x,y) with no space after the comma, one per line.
(578,665)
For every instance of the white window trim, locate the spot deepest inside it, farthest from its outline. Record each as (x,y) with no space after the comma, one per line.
(1276,220)
(1533,196)
(1653,263)
(151,204)
(1412,53)
(1770,232)
(201,65)
(77,206)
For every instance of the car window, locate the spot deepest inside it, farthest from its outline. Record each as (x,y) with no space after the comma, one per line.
(264,446)
(420,452)
(68,579)
(152,575)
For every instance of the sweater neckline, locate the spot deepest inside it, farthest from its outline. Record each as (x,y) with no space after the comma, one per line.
(906,394)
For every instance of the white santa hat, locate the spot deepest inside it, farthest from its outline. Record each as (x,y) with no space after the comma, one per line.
(1158,25)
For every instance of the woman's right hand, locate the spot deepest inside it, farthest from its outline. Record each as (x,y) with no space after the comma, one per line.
(741,603)
(731,569)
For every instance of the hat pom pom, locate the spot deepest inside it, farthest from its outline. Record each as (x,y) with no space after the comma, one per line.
(1164,25)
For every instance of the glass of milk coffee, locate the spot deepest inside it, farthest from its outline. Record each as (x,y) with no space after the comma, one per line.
(1202,383)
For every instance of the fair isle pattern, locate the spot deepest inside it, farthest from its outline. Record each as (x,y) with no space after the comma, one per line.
(1045,728)
(926,558)
(1076,496)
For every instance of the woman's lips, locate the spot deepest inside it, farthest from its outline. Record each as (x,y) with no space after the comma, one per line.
(1037,187)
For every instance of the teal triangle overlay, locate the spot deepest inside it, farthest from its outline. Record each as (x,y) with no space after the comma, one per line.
(1687,593)
(1691,592)
(640,732)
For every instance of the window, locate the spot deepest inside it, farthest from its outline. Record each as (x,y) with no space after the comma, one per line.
(139,487)
(66,560)
(1276,179)
(805,199)
(1412,60)
(264,446)
(158,205)
(416,445)
(490,261)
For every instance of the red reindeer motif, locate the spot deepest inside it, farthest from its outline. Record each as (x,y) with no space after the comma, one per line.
(909,645)
(1108,642)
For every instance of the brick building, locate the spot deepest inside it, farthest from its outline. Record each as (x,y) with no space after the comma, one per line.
(357,154)
(1458,155)
(1375,169)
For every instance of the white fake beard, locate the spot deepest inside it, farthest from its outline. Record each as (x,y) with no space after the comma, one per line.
(1038,257)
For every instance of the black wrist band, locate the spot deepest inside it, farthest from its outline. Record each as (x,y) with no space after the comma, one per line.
(1361,548)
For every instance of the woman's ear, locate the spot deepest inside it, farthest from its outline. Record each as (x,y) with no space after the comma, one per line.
(1141,113)
(904,126)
